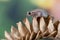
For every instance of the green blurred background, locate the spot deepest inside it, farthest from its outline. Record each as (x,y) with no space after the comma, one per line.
(11,12)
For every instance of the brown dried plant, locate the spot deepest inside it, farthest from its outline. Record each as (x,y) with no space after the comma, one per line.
(44,29)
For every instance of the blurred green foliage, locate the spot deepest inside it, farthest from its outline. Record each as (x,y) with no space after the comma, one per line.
(11,12)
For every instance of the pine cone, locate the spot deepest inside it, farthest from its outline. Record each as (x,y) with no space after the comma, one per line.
(44,28)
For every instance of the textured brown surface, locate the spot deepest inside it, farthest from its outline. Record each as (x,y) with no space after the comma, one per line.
(45,28)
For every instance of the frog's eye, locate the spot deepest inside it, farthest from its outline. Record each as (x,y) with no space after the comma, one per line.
(29,13)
